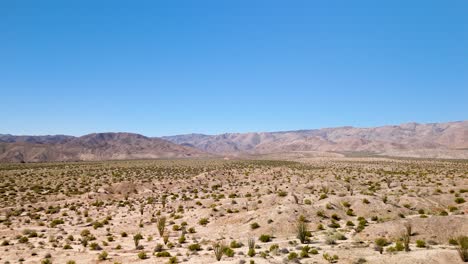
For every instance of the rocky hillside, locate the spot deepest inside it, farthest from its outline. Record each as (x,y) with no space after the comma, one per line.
(437,140)
(102,146)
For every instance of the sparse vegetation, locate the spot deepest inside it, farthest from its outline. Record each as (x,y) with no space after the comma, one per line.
(156,206)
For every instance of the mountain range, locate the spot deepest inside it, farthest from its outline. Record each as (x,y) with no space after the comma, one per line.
(98,146)
(434,140)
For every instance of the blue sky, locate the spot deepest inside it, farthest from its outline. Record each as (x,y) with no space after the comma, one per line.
(173,67)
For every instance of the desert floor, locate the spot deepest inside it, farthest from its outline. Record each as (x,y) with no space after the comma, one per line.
(349,210)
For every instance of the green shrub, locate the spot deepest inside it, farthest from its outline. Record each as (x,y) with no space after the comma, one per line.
(203,221)
(235,244)
(282,193)
(462,247)
(265,238)
(254,225)
(23,240)
(292,256)
(228,252)
(142,255)
(194,247)
(381,242)
(420,243)
(301,231)
(399,246)
(103,255)
(163,254)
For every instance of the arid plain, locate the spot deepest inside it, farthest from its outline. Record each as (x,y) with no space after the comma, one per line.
(307,210)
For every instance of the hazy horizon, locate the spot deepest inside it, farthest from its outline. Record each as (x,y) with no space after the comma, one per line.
(228,132)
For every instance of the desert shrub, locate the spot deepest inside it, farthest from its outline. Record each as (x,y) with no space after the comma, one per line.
(97,224)
(320,213)
(381,241)
(103,255)
(254,225)
(462,247)
(46,261)
(194,247)
(23,240)
(67,246)
(163,254)
(420,243)
(323,196)
(282,193)
(379,245)
(251,243)
(142,255)
(218,249)
(304,252)
(161,225)
(330,258)
(56,222)
(203,221)
(334,224)
(95,246)
(399,246)
(274,247)
(182,239)
(158,248)
(235,244)
(459,200)
(136,239)
(292,256)
(264,238)
(301,231)
(228,252)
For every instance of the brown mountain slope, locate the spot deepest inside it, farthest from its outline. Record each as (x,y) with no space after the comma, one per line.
(102,146)
(443,140)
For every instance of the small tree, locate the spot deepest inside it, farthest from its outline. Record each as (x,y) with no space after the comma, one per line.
(251,243)
(161,224)
(218,249)
(407,236)
(136,239)
(301,230)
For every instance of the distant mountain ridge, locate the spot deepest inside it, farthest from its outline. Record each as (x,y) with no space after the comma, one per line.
(444,140)
(433,140)
(98,146)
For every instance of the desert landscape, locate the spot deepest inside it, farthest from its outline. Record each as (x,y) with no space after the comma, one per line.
(233,132)
(306,209)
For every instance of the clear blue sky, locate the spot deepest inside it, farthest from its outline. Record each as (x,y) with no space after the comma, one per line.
(171,67)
